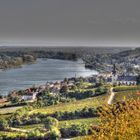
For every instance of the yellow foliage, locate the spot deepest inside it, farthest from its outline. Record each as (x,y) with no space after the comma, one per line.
(119,122)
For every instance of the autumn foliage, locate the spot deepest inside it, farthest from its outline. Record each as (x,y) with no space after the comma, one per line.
(119,122)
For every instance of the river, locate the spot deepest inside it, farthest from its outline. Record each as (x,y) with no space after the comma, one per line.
(41,72)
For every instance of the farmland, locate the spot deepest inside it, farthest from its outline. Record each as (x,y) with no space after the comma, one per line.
(72,115)
(62,124)
(72,106)
(126,93)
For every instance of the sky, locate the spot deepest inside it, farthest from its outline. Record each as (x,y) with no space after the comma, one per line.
(70,22)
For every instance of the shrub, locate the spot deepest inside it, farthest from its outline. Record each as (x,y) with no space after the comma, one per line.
(53,134)
(35,134)
(75,130)
(101,90)
(50,122)
(81,95)
(3,124)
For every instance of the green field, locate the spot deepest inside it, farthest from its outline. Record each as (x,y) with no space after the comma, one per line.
(72,106)
(63,124)
(69,107)
(125,95)
(9,110)
(87,121)
(11,134)
(80,138)
(126,88)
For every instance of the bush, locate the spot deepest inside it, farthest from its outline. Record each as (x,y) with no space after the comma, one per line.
(59,115)
(47,99)
(3,124)
(101,90)
(75,130)
(35,134)
(53,134)
(50,122)
(81,95)
(14,100)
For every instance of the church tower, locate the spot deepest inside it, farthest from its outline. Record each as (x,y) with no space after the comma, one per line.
(114,75)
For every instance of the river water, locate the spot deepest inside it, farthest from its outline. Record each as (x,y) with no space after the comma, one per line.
(41,72)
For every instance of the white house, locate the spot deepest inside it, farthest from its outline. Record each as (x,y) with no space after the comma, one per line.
(29,96)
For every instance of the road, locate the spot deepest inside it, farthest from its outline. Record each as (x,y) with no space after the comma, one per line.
(111,96)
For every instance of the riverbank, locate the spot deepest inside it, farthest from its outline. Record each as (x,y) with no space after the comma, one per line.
(8,62)
(72,102)
(40,72)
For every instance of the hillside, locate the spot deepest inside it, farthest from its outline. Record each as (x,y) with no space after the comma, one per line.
(74,118)
(71,114)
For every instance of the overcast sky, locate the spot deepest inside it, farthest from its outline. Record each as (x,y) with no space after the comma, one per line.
(70,22)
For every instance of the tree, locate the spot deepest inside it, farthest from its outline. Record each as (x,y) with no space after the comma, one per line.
(53,134)
(100,90)
(66,80)
(3,124)
(35,134)
(50,122)
(75,130)
(74,87)
(14,100)
(120,121)
(64,89)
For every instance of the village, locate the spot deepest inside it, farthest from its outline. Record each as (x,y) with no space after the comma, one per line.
(112,78)
(73,103)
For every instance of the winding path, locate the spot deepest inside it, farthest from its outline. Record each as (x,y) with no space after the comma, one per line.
(19,130)
(111,96)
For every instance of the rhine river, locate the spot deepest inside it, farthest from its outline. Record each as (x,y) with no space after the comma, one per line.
(41,72)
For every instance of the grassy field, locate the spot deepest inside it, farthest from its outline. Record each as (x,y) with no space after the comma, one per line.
(125,95)
(63,124)
(72,106)
(8,110)
(126,88)
(126,92)
(88,121)
(11,134)
(82,138)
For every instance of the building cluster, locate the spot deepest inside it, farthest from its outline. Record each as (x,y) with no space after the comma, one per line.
(31,93)
(115,78)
